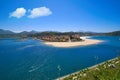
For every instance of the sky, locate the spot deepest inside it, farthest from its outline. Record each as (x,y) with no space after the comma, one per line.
(60,15)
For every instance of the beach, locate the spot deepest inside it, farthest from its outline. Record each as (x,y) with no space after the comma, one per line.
(74,44)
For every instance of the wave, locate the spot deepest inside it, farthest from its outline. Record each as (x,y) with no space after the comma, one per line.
(34,68)
(28,46)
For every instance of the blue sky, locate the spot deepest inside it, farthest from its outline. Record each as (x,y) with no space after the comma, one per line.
(60,15)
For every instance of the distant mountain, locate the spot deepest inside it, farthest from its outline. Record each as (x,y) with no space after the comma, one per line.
(32,32)
(28,32)
(24,32)
(6,31)
(36,33)
(115,33)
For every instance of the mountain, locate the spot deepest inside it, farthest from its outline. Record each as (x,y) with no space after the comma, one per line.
(35,33)
(115,33)
(28,32)
(6,31)
(24,32)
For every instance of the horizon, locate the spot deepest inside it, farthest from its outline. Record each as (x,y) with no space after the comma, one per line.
(73,15)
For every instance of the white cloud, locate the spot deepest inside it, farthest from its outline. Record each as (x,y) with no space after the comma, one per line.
(18,13)
(39,12)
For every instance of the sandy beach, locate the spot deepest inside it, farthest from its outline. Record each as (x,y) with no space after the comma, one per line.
(74,44)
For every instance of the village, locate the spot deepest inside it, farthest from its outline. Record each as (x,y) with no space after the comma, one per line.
(61,38)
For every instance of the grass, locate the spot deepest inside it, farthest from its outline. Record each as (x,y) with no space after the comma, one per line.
(109,70)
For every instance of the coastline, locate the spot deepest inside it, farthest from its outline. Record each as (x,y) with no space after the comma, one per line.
(92,67)
(74,44)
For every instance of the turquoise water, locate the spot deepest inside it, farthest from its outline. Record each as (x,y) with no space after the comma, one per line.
(33,60)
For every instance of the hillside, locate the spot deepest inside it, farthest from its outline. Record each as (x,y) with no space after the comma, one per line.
(109,70)
(115,33)
(6,31)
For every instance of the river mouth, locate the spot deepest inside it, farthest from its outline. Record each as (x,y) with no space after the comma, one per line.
(31,59)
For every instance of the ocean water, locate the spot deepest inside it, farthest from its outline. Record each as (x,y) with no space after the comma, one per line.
(32,60)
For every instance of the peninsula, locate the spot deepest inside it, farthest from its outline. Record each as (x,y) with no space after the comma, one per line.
(70,40)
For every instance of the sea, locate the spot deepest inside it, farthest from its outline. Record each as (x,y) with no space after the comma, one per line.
(33,60)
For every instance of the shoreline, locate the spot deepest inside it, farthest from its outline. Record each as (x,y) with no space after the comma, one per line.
(74,44)
(92,67)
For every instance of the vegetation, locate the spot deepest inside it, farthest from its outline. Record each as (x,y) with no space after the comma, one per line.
(50,33)
(34,34)
(13,36)
(109,70)
(116,33)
